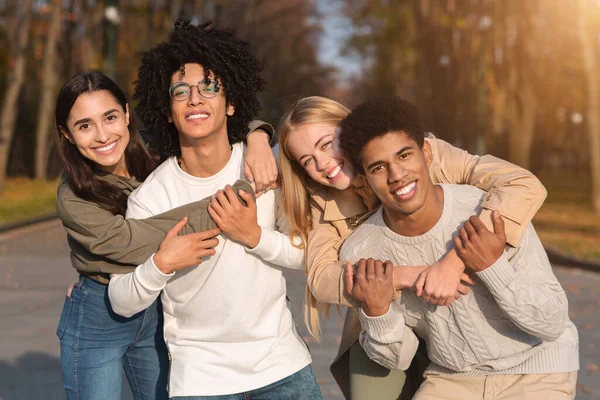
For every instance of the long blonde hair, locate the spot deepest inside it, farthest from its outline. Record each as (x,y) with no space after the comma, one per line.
(294,194)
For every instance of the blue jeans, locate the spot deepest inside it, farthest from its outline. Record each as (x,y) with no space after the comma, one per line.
(96,345)
(301,385)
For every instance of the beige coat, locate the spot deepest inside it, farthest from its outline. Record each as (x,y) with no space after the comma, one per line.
(515,192)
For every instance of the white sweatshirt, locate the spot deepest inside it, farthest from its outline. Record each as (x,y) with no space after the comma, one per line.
(227,323)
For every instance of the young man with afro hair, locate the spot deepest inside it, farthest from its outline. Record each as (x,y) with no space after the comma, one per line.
(227,322)
(511,336)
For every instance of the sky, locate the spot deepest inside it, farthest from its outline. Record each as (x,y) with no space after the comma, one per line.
(336,29)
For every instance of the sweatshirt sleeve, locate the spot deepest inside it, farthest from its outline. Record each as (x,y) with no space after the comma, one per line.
(512,190)
(525,288)
(135,291)
(265,126)
(275,246)
(387,340)
(324,268)
(127,241)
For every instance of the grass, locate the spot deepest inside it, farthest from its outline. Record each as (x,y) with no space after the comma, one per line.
(566,221)
(25,198)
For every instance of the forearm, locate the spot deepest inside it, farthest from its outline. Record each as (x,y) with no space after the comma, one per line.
(387,340)
(531,297)
(326,283)
(275,247)
(134,292)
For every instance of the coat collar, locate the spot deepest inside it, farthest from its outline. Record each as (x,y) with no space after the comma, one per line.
(337,204)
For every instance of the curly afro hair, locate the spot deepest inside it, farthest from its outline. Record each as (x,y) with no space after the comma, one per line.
(219,52)
(376,118)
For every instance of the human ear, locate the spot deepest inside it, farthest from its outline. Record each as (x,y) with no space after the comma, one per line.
(66,134)
(230,110)
(428,153)
(170,119)
(127,114)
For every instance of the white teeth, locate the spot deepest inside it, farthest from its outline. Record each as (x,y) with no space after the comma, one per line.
(336,171)
(197,116)
(406,189)
(106,148)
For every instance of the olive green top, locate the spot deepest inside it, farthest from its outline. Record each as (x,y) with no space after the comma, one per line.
(102,243)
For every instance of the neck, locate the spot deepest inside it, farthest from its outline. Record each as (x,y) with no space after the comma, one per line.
(119,169)
(420,221)
(206,156)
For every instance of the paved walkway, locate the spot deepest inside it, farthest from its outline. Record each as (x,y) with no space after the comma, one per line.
(35,272)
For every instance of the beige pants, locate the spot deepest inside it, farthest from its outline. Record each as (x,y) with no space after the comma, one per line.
(557,386)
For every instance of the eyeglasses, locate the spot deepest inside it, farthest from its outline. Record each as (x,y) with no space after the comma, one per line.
(208,89)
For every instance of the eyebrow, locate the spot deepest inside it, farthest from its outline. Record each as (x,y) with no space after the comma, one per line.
(315,146)
(402,150)
(84,120)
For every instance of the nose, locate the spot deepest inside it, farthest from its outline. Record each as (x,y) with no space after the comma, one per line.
(102,135)
(396,172)
(195,97)
(321,161)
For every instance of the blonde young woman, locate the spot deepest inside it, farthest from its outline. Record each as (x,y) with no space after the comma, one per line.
(325,199)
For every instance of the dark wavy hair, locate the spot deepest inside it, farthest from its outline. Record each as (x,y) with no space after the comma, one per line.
(219,52)
(80,172)
(376,118)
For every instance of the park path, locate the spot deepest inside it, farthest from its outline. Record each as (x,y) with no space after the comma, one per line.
(35,272)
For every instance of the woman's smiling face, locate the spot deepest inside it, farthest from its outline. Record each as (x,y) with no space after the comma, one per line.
(98,126)
(314,147)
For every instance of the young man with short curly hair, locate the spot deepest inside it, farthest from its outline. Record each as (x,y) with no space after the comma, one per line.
(228,325)
(511,336)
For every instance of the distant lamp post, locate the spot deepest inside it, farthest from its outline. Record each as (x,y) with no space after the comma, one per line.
(484,24)
(112,19)
(577,118)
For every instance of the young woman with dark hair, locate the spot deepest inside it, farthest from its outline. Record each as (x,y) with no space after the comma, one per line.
(104,160)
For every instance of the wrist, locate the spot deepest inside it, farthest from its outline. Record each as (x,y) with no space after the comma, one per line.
(161,264)
(254,238)
(375,311)
(402,278)
(258,135)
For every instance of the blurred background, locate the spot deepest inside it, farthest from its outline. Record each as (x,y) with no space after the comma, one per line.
(515,78)
(518,79)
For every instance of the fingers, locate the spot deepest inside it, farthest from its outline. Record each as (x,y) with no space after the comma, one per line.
(232,197)
(498,222)
(223,201)
(420,284)
(470,229)
(206,234)
(70,289)
(462,289)
(248,172)
(464,236)
(174,231)
(370,269)
(349,277)
(458,244)
(361,270)
(477,224)
(467,279)
(247,197)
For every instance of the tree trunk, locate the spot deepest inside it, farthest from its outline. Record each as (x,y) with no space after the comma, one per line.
(13,89)
(49,81)
(593,102)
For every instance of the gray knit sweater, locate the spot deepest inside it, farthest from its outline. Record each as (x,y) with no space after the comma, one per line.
(514,321)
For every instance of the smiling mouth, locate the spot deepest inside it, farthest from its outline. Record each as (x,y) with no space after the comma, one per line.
(195,117)
(107,148)
(406,190)
(335,172)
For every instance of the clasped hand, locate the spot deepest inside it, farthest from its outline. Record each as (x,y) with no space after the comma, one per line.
(236,220)
(371,285)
